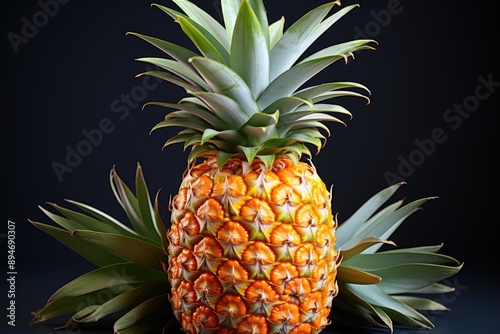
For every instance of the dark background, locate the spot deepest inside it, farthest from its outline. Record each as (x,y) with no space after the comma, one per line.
(64,79)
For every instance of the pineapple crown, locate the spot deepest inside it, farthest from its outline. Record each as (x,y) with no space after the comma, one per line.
(246,85)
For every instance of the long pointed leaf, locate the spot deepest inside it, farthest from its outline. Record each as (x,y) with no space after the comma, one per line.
(407,278)
(87,223)
(128,201)
(176,80)
(104,217)
(129,249)
(314,91)
(423,304)
(200,151)
(260,12)
(276,32)
(160,226)
(419,249)
(64,306)
(230,10)
(196,110)
(177,52)
(133,321)
(113,277)
(249,53)
(97,256)
(296,40)
(179,69)
(397,257)
(339,93)
(288,82)
(287,105)
(436,288)
(354,252)
(343,49)
(347,229)
(383,228)
(206,46)
(146,206)
(197,32)
(420,322)
(377,297)
(67,224)
(314,126)
(176,120)
(356,309)
(356,276)
(223,80)
(205,20)
(225,108)
(321,107)
(123,302)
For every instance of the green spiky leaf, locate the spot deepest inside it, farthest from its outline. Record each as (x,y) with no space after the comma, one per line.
(249,53)
(130,249)
(417,270)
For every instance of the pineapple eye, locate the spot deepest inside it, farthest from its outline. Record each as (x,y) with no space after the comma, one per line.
(320,271)
(306,255)
(186,293)
(205,317)
(258,253)
(233,232)
(256,210)
(306,216)
(208,246)
(324,236)
(232,270)
(202,186)
(260,290)
(173,235)
(285,234)
(283,272)
(297,288)
(312,303)
(234,184)
(284,194)
(207,283)
(187,260)
(321,319)
(253,324)
(231,304)
(180,200)
(187,324)
(189,224)
(210,211)
(301,329)
(285,313)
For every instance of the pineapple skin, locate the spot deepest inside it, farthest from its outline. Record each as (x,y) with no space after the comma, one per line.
(251,248)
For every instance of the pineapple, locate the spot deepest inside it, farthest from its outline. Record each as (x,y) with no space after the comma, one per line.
(252,245)
(251,248)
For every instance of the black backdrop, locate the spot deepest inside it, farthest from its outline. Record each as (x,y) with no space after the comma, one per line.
(69,69)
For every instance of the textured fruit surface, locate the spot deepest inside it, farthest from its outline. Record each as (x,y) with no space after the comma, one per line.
(252,249)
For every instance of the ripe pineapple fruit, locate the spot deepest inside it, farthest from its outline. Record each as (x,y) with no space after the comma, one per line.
(253,246)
